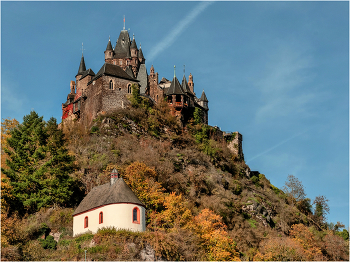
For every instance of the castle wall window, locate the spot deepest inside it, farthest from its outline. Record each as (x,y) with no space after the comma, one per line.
(136,215)
(100,218)
(86,222)
(110,84)
(129,89)
(120,62)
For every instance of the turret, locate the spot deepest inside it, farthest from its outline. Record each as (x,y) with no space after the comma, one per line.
(190,83)
(133,47)
(140,56)
(82,67)
(72,87)
(109,52)
(203,101)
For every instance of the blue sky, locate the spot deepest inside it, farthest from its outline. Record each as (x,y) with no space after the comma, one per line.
(277,72)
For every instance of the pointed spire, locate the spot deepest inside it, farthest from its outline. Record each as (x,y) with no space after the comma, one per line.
(203,97)
(82,67)
(109,45)
(174,71)
(124,23)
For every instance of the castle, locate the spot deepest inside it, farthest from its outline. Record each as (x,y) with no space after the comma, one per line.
(94,94)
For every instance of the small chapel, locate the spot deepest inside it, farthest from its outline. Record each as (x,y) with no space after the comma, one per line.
(124,65)
(110,205)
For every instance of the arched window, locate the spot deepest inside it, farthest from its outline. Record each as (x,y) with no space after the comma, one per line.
(129,89)
(86,222)
(136,215)
(110,84)
(100,220)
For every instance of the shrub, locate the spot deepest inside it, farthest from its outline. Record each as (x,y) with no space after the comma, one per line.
(48,243)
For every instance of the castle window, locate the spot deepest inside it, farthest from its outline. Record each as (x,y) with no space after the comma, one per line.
(120,62)
(114,62)
(129,89)
(100,218)
(86,222)
(157,98)
(110,84)
(136,215)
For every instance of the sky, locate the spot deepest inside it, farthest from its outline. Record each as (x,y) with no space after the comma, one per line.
(277,72)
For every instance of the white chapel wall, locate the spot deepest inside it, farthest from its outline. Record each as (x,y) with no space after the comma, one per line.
(114,215)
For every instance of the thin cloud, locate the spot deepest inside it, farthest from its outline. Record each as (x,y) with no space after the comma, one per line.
(179,28)
(285,86)
(275,146)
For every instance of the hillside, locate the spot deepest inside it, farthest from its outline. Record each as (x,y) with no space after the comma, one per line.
(202,201)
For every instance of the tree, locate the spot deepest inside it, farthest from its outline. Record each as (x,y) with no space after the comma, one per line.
(215,239)
(321,209)
(198,115)
(39,166)
(294,188)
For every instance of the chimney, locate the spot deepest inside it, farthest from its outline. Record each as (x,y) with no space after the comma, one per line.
(114,176)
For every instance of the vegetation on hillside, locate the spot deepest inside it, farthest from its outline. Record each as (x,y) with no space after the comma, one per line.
(201,202)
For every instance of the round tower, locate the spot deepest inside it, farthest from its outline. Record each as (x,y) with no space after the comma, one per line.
(109,52)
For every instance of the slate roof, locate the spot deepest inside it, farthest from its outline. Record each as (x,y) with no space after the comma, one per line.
(129,71)
(142,77)
(203,97)
(175,88)
(106,194)
(82,67)
(86,73)
(109,45)
(140,54)
(112,70)
(122,47)
(133,44)
(185,86)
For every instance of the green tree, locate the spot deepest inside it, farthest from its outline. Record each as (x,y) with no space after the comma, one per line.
(136,97)
(198,116)
(39,166)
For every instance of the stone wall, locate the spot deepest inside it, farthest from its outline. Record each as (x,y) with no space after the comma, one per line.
(234,143)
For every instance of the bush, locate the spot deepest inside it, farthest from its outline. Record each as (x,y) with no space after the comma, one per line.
(48,243)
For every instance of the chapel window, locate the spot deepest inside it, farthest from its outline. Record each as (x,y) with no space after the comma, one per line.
(100,220)
(86,222)
(136,215)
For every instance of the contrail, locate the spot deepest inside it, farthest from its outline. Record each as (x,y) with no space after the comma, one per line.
(281,143)
(170,38)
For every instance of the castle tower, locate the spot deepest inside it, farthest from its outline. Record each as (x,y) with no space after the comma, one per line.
(81,71)
(190,83)
(109,52)
(203,102)
(153,83)
(140,56)
(134,59)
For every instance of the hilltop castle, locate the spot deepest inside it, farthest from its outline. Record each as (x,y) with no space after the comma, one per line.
(94,94)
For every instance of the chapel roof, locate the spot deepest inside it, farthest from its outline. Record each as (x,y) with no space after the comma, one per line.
(105,194)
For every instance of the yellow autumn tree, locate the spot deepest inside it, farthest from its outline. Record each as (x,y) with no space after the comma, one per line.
(215,239)
(175,215)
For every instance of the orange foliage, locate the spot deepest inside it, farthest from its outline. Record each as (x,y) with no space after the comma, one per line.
(140,178)
(303,236)
(6,127)
(215,238)
(280,249)
(176,214)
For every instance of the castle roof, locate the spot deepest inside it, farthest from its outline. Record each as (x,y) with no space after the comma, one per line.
(109,46)
(164,80)
(119,192)
(129,71)
(82,67)
(142,77)
(203,97)
(175,88)
(86,73)
(185,87)
(122,47)
(133,44)
(112,70)
(140,54)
